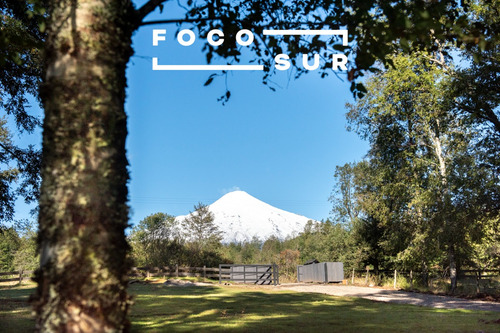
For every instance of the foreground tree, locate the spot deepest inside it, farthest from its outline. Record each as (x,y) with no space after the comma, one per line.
(83,212)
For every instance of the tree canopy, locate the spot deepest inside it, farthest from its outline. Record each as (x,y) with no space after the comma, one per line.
(21,44)
(425,195)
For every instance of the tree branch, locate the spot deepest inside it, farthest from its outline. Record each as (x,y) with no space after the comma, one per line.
(204,19)
(482,113)
(13,153)
(147,8)
(185,20)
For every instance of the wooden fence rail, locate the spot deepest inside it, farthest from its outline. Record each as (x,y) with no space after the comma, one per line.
(175,271)
(481,279)
(18,276)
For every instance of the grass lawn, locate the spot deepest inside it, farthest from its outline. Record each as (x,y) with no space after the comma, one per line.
(15,312)
(159,308)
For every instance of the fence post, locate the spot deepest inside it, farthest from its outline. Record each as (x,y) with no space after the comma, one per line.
(367,275)
(220,273)
(204,271)
(395,275)
(411,279)
(177,270)
(478,279)
(352,279)
(20,276)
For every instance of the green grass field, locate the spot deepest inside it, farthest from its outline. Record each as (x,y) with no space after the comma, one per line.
(159,308)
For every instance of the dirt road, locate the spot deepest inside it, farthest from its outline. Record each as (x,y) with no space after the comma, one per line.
(394,296)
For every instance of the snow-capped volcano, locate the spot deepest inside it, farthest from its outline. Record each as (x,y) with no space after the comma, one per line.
(241,216)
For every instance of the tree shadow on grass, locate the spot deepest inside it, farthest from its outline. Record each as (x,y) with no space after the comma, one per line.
(160,308)
(238,310)
(15,311)
(12,297)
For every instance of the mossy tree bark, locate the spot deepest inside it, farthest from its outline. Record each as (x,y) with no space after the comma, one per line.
(83,204)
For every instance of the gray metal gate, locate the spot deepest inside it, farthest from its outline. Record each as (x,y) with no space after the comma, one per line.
(321,272)
(256,274)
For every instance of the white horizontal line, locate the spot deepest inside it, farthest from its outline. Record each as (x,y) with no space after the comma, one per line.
(342,33)
(304,32)
(157,67)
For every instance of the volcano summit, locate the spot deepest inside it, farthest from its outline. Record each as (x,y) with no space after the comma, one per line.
(240,217)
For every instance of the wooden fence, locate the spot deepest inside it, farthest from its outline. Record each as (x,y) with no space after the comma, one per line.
(138,272)
(175,271)
(482,280)
(16,276)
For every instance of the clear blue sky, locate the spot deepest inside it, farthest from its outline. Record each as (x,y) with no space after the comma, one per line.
(184,147)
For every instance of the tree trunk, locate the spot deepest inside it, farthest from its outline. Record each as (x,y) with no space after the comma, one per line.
(82,278)
(425,275)
(446,207)
(453,269)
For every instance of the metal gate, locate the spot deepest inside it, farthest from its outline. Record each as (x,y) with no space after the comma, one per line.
(256,274)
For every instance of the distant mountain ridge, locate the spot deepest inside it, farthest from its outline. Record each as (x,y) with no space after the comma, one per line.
(241,216)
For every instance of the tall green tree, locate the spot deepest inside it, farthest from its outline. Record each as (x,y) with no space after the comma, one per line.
(26,257)
(21,43)
(18,247)
(9,244)
(8,174)
(200,230)
(431,186)
(360,189)
(345,206)
(156,241)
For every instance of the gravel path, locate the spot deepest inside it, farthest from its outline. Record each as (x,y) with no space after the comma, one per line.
(394,296)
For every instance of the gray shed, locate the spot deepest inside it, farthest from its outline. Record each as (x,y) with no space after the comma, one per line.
(321,272)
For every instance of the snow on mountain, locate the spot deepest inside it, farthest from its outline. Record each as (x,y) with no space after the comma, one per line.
(241,216)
